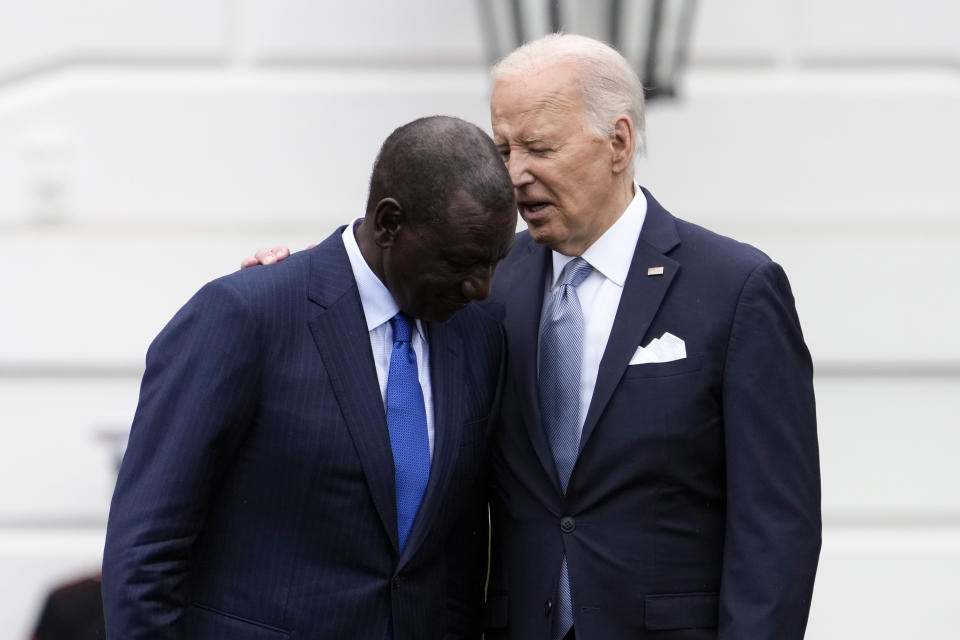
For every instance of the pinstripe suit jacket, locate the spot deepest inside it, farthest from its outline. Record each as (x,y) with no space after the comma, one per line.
(256,498)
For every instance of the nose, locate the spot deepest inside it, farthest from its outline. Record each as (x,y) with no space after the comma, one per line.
(517,168)
(477,287)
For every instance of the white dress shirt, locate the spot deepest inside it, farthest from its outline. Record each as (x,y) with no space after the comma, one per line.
(610,256)
(378,308)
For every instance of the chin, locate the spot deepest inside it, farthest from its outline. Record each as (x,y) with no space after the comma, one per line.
(542,235)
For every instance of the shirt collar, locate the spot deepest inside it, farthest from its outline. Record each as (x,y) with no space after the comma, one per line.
(612,253)
(378,304)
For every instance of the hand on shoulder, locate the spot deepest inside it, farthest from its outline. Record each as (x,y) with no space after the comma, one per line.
(278,253)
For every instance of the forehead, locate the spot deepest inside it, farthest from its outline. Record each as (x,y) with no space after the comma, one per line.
(536,102)
(468,224)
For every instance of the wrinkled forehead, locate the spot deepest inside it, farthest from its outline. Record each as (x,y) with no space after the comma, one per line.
(541,101)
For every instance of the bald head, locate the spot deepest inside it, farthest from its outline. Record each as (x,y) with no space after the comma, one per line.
(424,163)
(440,216)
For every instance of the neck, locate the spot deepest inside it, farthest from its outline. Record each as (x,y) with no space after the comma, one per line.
(620,197)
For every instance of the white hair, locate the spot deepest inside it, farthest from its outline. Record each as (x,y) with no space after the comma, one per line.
(608,84)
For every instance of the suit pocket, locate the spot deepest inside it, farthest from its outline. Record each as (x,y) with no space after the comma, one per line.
(211,624)
(681,611)
(660,369)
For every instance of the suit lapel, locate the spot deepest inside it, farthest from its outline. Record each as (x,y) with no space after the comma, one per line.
(340,333)
(448,383)
(639,303)
(522,327)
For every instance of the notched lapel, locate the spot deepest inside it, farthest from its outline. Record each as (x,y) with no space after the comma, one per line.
(340,333)
(639,303)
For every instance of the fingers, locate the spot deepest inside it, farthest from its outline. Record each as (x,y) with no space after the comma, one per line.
(262,256)
(268,256)
(265,256)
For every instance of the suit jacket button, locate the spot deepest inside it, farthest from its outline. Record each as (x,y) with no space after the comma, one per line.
(567,524)
(547,608)
(395,584)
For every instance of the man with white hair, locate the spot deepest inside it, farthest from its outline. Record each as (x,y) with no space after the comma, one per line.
(655,470)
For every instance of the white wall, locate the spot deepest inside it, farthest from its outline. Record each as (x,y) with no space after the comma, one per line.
(146,147)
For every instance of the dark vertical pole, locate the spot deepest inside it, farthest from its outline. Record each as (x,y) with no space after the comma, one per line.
(650,87)
(519,32)
(614,23)
(489,27)
(556,19)
(684,31)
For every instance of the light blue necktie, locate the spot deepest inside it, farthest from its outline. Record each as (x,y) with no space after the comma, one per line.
(407,423)
(561,352)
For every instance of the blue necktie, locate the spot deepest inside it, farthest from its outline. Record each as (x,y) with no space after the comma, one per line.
(407,423)
(561,352)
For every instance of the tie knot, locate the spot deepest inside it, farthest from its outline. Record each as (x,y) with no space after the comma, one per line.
(575,272)
(401,327)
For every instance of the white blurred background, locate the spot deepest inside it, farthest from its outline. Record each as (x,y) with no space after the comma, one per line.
(146,147)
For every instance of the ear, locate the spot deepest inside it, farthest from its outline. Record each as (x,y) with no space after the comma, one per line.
(388,218)
(621,144)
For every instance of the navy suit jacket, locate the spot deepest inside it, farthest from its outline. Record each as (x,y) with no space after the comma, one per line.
(256,498)
(693,510)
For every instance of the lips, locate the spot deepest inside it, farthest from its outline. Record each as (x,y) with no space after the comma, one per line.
(532,209)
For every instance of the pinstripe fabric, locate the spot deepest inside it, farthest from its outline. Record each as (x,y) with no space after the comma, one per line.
(561,351)
(256,499)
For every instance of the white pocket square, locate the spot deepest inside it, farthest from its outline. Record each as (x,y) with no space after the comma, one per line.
(666,348)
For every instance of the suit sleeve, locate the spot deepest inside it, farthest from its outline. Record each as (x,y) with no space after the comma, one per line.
(197,398)
(772,541)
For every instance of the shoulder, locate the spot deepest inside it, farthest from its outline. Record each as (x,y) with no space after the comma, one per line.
(257,282)
(718,265)
(732,273)
(696,248)
(287,282)
(715,250)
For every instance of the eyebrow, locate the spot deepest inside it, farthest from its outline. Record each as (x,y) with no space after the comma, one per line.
(525,141)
